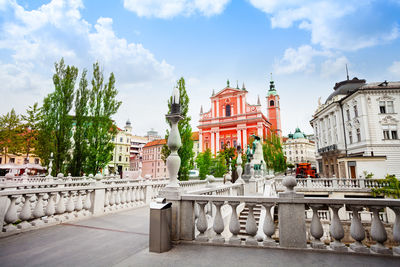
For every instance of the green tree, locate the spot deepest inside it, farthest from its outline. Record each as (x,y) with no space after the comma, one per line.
(219,166)
(81,124)
(273,153)
(389,187)
(10,134)
(185,152)
(204,161)
(56,124)
(102,106)
(31,129)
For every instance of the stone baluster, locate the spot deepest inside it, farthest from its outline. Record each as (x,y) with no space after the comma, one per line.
(38,212)
(51,207)
(202,222)
(396,230)
(87,204)
(128,196)
(142,196)
(336,230)
(138,195)
(79,204)
(11,214)
(117,197)
(112,198)
(107,199)
(269,226)
(234,225)
(133,195)
(357,231)
(218,225)
(70,205)
(123,196)
(378,232)
(60,208)
(316,229)
(251,225)
(26,213)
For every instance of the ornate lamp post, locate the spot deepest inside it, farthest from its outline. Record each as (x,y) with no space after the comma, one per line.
(174,141)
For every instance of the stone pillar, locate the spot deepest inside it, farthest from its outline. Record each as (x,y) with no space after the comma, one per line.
(98,196)
(187,224)
(4,203)
(148,193)
(292,235)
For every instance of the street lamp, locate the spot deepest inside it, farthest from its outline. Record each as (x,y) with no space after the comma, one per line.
(174,140)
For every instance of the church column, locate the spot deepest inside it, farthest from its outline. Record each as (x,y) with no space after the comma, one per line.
(212,142)
(217,142)
(213,108)
(238,104)
(200,141)
(259,130)
(239,137)
(244,104)
(244,138)
(217,108)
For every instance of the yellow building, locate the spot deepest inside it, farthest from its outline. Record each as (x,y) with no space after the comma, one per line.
(121,154)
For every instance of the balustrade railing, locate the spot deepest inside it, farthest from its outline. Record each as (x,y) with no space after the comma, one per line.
(321,209)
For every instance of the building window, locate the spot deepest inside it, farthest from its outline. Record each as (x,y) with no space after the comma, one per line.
(271,103)
(127,149)
(348,114)
(389,106)
(222,144)
(394,135)
(234,144)
(355,111)
(112,157)
(228,110)
(120,139)
(350,137)
(120,158)
(386,134)
(358,135)
(113,138)
(386,107)
(12,160)
(36,161)
(126,159)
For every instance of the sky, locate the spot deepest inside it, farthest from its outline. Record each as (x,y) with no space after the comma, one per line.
(150,44)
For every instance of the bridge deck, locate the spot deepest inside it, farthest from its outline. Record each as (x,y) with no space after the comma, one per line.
(121,239)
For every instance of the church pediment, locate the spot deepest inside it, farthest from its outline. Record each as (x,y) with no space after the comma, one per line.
(227,91)
(389,120)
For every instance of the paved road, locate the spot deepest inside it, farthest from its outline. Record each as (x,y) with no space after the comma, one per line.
(122,240)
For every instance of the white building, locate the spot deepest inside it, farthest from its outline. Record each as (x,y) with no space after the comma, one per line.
(121,155)
(356,130)
(299,149)
(136,155)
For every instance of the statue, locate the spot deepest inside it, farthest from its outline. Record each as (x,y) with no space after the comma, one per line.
(257,157)
(249,154)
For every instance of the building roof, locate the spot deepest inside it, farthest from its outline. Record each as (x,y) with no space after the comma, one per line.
(156,143)
(298,134)
(346,87)
(195,136)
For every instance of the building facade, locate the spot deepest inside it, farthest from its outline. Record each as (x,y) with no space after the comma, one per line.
(231,120)
(121,154)
(136,151)
(299,149)
(153,165)
(357,130)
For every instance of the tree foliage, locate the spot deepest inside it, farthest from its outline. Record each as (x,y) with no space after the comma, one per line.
(185,152)
(10,134)
(204,161)
(56,121)
(390,187)
(30,129)
(102,106)
(273,153)
(81,124)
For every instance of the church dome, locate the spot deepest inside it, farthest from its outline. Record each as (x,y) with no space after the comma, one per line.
(298,134)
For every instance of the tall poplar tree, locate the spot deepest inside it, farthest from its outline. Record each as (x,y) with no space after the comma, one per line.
(10,134)
(31,129)
(81,124)
(56,124)
(102,106)
(185,152)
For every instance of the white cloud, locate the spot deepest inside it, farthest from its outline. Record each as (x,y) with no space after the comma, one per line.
(395,68)
(298,60)
(34,40)
(171,8)
(334,67)
(342,25)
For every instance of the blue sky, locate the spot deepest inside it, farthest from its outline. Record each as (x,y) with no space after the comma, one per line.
(150,44)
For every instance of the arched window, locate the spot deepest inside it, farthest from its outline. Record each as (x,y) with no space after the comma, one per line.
(228,110)
(271,103)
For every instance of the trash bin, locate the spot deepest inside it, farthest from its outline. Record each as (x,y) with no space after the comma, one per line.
(160,226)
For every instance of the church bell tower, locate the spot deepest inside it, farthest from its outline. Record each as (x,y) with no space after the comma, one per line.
(273,109)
